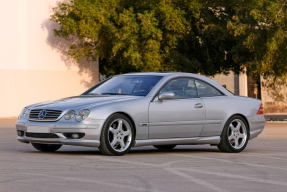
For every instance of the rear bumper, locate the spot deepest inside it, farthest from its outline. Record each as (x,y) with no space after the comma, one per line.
(255,133)
(256,125)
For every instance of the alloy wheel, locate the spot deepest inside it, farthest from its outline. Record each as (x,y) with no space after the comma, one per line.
(120,135)
(237,134)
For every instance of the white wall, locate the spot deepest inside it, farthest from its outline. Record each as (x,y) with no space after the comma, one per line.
(33,63)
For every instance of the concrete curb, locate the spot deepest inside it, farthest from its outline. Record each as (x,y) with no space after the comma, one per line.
(276,121)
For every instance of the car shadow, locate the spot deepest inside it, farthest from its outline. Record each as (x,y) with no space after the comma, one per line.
(134,151)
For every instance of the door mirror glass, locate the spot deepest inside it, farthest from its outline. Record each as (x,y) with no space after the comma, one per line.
(166,96)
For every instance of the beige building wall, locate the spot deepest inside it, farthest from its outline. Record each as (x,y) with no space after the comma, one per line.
(33,63)
(237,84)
(274,95)
(230,81)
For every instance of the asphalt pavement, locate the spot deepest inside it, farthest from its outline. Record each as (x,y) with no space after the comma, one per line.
(262,166)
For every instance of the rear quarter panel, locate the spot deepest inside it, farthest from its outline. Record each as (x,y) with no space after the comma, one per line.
(224,107)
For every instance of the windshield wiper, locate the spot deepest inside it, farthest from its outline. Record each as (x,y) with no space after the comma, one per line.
(113,94)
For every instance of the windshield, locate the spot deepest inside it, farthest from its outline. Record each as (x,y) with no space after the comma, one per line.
(126,85)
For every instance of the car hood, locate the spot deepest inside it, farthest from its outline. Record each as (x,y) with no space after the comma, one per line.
(82,102)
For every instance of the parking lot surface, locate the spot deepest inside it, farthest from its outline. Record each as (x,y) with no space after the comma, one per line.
(262,166)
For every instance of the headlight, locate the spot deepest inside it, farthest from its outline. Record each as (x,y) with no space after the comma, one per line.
(70,115)
(26,113)
(22,113)
(83,114)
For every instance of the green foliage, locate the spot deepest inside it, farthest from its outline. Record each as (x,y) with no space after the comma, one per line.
(262,26)
(199,36)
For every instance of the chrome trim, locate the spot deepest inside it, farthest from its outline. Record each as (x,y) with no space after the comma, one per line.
(60,135)
(41,120)
(60,141)
(178,141)
(54,113)
(186,122)
(143,124)
(198,105)
(186,76)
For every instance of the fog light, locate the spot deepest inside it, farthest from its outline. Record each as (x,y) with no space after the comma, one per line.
(20,133)
(75,136)
(78,135)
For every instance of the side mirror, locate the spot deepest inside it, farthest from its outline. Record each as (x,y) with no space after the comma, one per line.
(166,96)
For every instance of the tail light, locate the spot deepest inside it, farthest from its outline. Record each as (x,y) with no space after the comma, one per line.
(260,111)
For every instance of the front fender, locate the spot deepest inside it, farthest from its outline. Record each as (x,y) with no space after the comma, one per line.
(136,109)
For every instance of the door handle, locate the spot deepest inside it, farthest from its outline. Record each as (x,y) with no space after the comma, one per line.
(198,105)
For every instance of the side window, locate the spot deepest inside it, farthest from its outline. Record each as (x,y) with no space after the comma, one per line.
(182,88)
(206,90)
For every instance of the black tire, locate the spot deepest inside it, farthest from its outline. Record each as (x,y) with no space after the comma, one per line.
(107,137)
(164,147)
(225,144)
(46,147)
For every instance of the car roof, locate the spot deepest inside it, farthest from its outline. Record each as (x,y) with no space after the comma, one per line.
(159,73)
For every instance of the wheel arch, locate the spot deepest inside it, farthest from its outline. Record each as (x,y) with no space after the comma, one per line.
(128,116)
(224,144)
(243,116)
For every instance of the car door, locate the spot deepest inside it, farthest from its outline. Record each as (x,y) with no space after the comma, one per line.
(182,117)
(214,102)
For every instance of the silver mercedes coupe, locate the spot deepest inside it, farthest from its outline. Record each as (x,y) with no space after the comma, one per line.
(140,109)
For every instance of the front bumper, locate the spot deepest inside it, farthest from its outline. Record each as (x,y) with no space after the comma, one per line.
(91,129)
(60,141)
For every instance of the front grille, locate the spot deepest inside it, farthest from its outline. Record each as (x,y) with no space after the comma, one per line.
(51,115)
(41,135)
